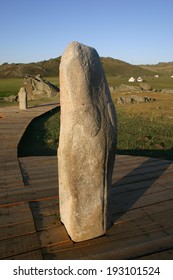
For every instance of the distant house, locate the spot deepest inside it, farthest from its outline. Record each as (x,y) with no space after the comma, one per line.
(132,80)
(156,76)
(139,79)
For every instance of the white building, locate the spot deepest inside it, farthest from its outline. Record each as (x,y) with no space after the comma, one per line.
(139,79)
(132,80)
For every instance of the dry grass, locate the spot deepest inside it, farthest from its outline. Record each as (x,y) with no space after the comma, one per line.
(146,128)
(161,107)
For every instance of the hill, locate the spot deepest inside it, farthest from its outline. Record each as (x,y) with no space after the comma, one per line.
(50,68)
(116,67)
(162,68)
(46,68)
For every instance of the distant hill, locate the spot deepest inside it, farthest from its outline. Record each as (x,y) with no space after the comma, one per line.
(50,68)
(163,68)
(46,68)
(116,67)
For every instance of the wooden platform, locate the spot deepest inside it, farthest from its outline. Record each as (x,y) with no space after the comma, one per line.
(142,204)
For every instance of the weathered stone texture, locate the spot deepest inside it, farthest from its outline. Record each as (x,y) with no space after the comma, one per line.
(133,99)
(37,87)
(22,99)
(87,144)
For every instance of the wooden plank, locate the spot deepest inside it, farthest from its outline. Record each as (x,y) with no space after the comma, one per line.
(143,224)
(53,235)
(18,245)
(141,212)
(50,202)
(27,196)
(124,203)
(45,211)
(33,255)
(163,255)
(130,248)
(46,222)
(15,214)
(16,230)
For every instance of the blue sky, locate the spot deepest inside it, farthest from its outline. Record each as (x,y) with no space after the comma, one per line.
(135,31)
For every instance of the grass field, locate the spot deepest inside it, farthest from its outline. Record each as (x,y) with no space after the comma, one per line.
(160,83)
(143,129)
(41,136)
(11,86)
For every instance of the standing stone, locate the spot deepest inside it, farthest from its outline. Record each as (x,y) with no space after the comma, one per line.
(87,144)
(22,99)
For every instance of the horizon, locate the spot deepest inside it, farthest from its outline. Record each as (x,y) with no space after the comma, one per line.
(136,32)
(160,62)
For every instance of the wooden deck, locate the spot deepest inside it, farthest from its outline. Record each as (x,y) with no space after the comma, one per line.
(142,201)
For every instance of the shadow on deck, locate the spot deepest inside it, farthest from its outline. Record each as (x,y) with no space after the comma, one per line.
(142,196)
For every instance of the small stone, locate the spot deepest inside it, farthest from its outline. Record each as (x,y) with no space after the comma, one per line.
(22,99)
(145,87)
(11,98)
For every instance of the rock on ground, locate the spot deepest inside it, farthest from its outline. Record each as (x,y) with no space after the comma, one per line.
(37,87)
(11,98)
(87,144)
(133,99)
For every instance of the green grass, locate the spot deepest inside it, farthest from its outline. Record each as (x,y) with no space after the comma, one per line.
(137,135)
(10,86)
(143,129)
(41,136)
(160,83)
(53,80)
(144,135)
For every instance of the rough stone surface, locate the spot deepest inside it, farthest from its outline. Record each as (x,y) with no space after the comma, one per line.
(37,87)
(145,87)
(167,90)
(87,144)
(133,99)
(11,98)
(22,99)
(123,88)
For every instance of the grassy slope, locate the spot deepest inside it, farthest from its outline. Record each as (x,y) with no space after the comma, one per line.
(143,129)
(45,68)
(117,72)
(118,68)
(41,136)
(161,68)
(50,68)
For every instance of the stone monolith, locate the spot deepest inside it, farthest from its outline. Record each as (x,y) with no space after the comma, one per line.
(22,99)
(87,144)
